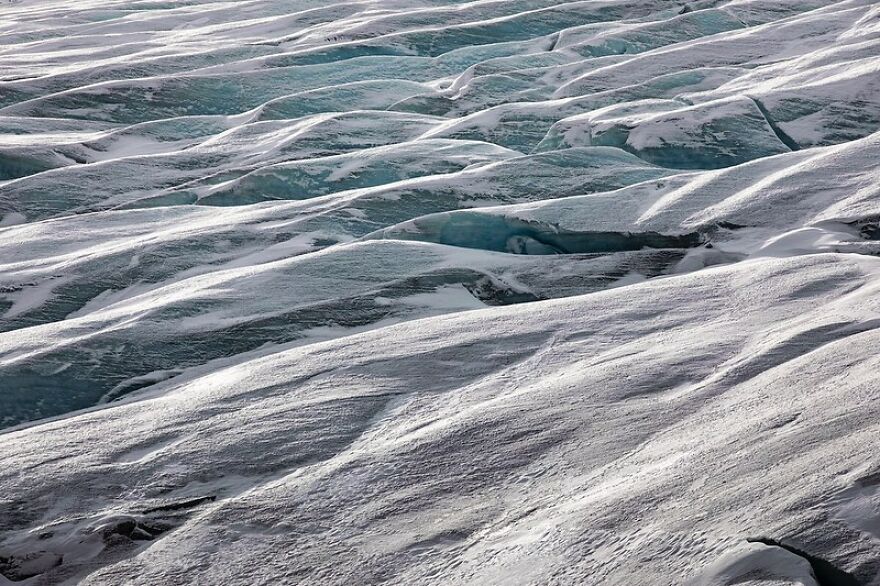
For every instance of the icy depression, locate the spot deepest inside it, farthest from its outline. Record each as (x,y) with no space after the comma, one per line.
(439,292)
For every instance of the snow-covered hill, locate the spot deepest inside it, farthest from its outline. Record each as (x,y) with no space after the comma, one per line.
(438,292)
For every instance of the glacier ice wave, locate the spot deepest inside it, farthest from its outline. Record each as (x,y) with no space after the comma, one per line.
(435,291)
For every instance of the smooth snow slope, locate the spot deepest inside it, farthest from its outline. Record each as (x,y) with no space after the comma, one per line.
(440,292)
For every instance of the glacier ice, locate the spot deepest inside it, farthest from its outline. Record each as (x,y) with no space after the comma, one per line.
(439,292)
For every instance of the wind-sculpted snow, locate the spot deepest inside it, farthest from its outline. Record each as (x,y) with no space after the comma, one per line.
(439,292)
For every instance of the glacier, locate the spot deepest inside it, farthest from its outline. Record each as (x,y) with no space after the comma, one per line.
(440,292)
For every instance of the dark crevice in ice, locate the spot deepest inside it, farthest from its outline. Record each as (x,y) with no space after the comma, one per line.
(135,530)
(491,292)
(826,573)
(869,227)
(21,567)
(780,134)
(529,237)
(725,225)
(180,505)
(121,536)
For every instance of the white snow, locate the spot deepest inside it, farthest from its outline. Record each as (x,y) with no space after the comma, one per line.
(440,292)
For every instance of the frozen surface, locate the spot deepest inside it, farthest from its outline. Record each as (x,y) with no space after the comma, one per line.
(440,292)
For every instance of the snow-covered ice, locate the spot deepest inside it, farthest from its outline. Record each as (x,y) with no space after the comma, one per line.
(440,292)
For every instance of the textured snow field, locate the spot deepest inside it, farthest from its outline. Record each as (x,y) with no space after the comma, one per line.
(439,292)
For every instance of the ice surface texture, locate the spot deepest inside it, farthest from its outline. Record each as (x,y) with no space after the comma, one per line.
(439,292)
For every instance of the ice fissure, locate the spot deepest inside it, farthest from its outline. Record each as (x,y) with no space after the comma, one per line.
(826,573)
